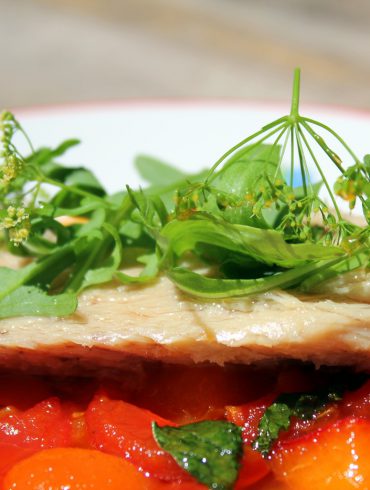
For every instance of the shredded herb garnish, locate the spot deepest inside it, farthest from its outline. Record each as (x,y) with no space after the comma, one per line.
(244,218)
(278,415)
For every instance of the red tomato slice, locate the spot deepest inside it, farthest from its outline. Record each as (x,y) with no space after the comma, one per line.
(74,469)
(119,428)
(335,457)
(248,416)
(42,426)
(155,484)
(23,433)
(253,469)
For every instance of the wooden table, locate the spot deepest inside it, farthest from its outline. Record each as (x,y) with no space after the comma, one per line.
(57,51)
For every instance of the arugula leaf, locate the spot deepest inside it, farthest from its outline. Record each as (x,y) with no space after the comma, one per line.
(206,287)
(156,172)
(314,281)
(148,273)
(210,450)
(277,416)
(267,246)
(33,301)
(250,167)
(109,266)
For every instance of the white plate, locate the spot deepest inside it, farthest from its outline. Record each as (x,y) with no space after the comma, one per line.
(191,135)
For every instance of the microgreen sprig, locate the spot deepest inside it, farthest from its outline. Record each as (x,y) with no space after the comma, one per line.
(352,184)
(243,219)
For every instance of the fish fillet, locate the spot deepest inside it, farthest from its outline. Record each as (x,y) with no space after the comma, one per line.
(117,326)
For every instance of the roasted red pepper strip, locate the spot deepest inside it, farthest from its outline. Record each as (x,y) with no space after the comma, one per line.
(119,428)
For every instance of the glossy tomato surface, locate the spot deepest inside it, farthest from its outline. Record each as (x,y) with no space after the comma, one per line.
(90,433)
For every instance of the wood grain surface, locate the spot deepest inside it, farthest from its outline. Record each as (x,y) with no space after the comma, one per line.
(57,51)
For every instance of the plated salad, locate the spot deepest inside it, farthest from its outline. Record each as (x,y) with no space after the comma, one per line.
(242,263)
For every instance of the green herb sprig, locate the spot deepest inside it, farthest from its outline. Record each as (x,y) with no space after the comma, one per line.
(243,219)
(278,415)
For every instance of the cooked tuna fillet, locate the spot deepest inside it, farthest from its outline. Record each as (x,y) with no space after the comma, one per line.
(116,325)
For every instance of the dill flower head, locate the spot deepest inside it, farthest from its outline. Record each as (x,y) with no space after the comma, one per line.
(16,221)
(12,163)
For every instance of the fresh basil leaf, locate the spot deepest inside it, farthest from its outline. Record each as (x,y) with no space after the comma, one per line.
(278,415)
(210,450)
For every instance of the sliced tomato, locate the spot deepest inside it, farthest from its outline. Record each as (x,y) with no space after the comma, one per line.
(75,469)
(155,484)
(248,416)
(119,428)
(24,433)
(253,468)
(335,457)
(43,426)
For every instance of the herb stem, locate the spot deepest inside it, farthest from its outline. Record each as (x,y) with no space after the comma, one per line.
(295,96)
(245,141)
(35,268)
(322,175)
(291,156)
(25,135)
(336,135)
(319,140)
(73,189)
(100,251)
(301,160)
(278,166)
